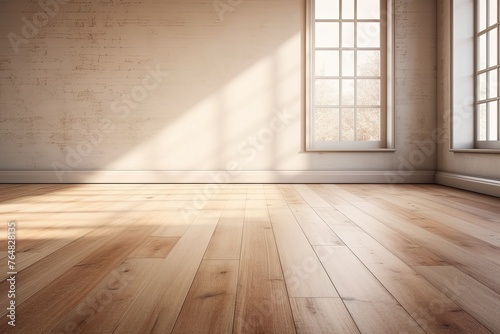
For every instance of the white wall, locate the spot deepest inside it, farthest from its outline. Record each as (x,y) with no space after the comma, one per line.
(458,163)
(228,79)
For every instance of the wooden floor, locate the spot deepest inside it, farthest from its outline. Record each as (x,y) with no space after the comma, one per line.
(252,259)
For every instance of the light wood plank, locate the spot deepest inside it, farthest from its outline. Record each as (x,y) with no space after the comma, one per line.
(291,195)
(73,240)
(342,193)
(363,294)
(440,204)
(304,274)
(322,316)
(256,211)
(262,304)
(276,202)
(215,205)
(378,318)
(327,195)
(171,223)
(472,198)
(433,311)
(431,209)
(156,309)
(479,268)
(316,230)
(209,305)
(43,272)
(406,250)
(485,211)
(312,199)
(103,308)
(470,243)
(481,233)
(226,240)
(274,195)
(155,247)
(475,298)
(62,294)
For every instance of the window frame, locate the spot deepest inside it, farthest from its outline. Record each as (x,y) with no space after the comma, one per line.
(387,127)
(485,144)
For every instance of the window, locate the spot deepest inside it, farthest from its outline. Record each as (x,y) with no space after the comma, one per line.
(349,95)
(487,95)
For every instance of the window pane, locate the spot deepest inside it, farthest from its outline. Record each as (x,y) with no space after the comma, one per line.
(482,86)
(348,73)
(368,124)
(327,63)
(368,63)
(347,9)
(368,93)
(493,41)
(348,63)
(482,14)
(348,35)
(348,125)
(493,12)
(327,34)
(326,92)
(493,84)
(327,9)
(368,9)
(326,122)
(348,92)
(482,122)
(368,34)
(493,121)
(482,52)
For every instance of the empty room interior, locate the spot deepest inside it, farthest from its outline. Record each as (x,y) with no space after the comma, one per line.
(250,166)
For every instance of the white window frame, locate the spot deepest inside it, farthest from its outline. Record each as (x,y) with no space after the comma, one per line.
(387,88)
(485,144)
(462,67)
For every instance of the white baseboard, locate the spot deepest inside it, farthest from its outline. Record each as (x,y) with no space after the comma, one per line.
(217,177)
(471,183)
(477,184)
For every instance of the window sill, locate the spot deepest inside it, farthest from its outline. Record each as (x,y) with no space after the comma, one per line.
(477,150)
(352,150)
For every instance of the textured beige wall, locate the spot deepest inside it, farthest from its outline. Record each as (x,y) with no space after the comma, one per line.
(172,85)
(473,164)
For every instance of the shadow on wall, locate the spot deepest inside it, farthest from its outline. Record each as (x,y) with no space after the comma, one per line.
(145,85)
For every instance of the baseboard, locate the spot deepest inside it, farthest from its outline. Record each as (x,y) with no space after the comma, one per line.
(217,177)
(471,183)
